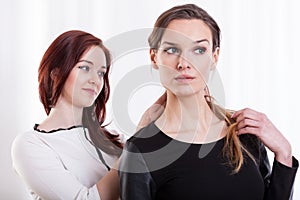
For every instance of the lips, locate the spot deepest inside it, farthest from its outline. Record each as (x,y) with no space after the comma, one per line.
(90,91)
(184,77)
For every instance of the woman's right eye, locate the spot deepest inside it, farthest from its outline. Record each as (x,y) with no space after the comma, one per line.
(85,68)
(172,50)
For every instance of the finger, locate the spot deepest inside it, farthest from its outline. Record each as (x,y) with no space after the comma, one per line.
(113,131)
(247,130)
(248,122)
(246,114)
(155,109)
(237,113)
(162,99)
(156,112)
(245,110)
(151,114)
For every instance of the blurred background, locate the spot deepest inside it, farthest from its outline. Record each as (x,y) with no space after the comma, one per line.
(258,62)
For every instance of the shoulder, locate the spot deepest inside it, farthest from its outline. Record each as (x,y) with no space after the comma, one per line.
(145,139)
(146,133)
(26,144)
(24,139)
(26,149)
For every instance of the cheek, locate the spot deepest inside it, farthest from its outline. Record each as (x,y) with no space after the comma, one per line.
(203,67)
(166,60)
(101,86)
(166,73)
(70,83)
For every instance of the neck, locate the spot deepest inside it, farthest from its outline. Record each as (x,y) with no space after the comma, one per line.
(62,115)
(191,117)
(187,109)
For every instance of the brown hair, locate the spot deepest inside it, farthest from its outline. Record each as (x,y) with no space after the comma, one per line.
(233,148)
(55,67)
(187,11)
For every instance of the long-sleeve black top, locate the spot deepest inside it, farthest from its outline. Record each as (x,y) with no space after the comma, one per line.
(155,166)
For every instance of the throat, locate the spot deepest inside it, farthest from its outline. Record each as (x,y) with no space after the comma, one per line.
(194,136)
(59,118)
(190,119)
(192,130)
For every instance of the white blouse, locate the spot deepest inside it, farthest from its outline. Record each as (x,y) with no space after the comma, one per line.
(61,164)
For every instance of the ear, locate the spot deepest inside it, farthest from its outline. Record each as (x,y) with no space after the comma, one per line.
(54,73)
(153,58)
(215,58)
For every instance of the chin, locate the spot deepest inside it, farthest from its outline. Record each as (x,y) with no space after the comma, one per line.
(186,92)
(87,104)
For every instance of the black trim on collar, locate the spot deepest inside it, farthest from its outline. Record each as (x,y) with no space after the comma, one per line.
(54,130)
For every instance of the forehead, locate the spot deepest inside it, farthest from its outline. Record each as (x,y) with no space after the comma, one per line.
(187,29)
(94,54)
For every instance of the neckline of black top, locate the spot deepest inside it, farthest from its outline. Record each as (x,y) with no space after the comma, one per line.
(183,142)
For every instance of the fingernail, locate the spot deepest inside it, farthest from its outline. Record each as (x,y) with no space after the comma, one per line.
(232,115)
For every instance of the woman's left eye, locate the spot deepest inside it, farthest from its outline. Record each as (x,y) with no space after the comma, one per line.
(200,50)
(101,74)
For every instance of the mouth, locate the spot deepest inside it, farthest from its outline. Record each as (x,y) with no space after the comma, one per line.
(90,91)
(184,78)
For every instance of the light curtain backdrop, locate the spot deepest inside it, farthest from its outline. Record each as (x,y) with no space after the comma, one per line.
(259,61)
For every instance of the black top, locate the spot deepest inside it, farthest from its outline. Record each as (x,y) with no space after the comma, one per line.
(156,166)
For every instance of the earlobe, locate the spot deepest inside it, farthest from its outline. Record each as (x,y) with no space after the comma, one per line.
(54,73)
(215,58)
(153,58)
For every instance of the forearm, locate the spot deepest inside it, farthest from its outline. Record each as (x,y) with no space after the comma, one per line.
(108,186)
(281,181)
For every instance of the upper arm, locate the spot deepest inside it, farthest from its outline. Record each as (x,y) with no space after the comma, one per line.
(45,174)
(135,179)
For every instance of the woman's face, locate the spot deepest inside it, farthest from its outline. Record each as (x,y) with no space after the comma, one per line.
(184,57)
(85,81)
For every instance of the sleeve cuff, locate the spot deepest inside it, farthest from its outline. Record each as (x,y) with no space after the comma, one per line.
(282,180)
(295,164)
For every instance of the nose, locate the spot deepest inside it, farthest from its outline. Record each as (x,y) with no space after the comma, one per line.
(183,64)
(94,78)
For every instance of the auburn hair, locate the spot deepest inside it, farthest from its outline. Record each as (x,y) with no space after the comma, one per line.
(233,148)
(57,62)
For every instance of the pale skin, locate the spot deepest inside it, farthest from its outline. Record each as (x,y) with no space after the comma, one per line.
(253,122)
(81,88)
(183,68)
(176,59)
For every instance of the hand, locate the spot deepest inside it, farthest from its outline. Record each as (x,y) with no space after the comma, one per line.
(252,122)
(153,112)
(121,139)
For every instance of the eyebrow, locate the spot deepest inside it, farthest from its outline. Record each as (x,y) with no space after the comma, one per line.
(196,42)
(90,62)
(203,40)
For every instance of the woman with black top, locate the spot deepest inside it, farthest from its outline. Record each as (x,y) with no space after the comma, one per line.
(197,149)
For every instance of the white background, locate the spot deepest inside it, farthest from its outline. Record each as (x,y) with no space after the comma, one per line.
(259,62)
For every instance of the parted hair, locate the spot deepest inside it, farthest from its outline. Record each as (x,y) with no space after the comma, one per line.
(56,64)
(233,149)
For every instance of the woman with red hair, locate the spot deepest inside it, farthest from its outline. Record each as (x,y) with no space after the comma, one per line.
(70,154)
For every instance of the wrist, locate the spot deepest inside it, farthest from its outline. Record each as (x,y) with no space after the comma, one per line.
(285,157)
